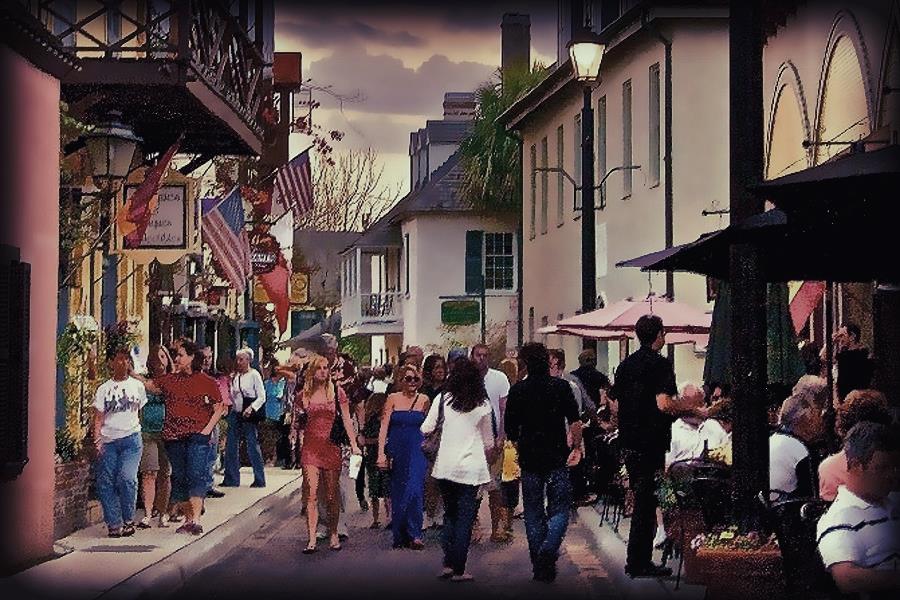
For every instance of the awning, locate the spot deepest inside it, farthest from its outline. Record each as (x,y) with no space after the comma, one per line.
(805,302)
(311,338)
(792,248)
(623,315)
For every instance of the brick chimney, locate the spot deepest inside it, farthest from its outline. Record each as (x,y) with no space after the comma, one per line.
(515,41)
(459,106)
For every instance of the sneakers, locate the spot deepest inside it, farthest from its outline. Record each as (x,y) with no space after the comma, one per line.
(214,493)
(462,578)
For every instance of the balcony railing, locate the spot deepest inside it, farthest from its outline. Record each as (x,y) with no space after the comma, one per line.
(200,34)
(384,306)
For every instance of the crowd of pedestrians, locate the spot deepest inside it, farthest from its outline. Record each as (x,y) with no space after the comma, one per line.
(426,440)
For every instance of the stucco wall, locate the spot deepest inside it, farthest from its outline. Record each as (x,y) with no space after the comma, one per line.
(437,268)
(634,225)
(29,211)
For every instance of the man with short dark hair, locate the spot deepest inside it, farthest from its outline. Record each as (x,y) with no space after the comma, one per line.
(539,411)
(592,379)
(859,536)
(854,366)
(647,395)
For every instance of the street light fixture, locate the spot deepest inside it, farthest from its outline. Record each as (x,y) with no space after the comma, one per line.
(586,53)
(111,145)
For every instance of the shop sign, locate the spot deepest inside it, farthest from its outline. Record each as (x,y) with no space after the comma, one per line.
(167,228)
(460,312)
(264,250)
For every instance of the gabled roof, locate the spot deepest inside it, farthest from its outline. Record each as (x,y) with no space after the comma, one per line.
(439,194)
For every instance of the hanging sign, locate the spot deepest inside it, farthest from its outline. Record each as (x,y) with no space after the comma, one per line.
(264,250)
(167,228)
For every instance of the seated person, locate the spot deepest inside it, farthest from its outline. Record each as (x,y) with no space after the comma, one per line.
(792,467)
(692,431)
(859,405)
(859,536)
(722,412)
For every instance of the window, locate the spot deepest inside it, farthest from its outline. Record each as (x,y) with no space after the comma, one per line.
(626,137)
(533,200)
(499,261)
(653,159)
(577,148)
(601,144)
(544,186)
(560,184)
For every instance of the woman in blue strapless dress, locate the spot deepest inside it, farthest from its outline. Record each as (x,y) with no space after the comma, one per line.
(400,439)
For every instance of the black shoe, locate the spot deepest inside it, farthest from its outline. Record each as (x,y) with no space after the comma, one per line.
(648,571)
(214,493)
(223,484)
(257,485)
(364,506)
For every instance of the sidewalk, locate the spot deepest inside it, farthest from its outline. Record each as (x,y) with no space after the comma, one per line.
(612,545)
(154,561)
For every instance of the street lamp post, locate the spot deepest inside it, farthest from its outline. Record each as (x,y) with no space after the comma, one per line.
(586,52)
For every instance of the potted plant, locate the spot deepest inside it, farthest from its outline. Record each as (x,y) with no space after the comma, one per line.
(732,564)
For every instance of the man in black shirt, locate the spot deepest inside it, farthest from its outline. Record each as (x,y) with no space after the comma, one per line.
(646,392)
(592,379)
(542,421)
(854,366)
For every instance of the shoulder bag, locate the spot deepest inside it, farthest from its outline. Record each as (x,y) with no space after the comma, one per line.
(338,435)
(257,415)
(432,441)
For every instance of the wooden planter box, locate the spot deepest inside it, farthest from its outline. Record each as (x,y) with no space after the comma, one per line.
(727,573)
(74,506)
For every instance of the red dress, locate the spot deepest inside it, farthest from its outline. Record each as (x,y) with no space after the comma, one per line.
(318,450)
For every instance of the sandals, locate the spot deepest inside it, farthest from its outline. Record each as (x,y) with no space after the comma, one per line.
(144,523)
(336,548)
(446,573)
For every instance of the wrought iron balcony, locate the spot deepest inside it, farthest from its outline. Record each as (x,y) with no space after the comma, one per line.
(169,66)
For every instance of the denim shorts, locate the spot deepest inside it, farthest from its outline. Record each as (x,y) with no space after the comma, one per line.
(189,458)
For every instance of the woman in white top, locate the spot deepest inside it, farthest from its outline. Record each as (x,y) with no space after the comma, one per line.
(249,396)
(461,465)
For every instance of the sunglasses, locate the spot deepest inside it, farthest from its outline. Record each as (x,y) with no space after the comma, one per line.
(411,379)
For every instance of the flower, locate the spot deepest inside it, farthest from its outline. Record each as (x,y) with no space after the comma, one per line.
(730,538)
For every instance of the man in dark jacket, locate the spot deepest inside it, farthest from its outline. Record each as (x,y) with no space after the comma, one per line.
(542,420)
(646,392)
(591,379)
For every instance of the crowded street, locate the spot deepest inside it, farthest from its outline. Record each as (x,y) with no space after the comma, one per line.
(490,298)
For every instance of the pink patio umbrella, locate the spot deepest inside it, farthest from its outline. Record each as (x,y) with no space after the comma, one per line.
(622,316)
(700,339)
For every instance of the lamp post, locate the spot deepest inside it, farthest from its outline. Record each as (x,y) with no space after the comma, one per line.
(111,145)
(586,52)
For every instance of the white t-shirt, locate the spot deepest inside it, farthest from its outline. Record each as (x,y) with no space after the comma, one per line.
(497,386)
(687,440)
(464,437)
(120,403)
(855,531)
(785,452)
(249,384)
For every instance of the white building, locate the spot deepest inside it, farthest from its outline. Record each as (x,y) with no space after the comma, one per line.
(413,277)
(629,129)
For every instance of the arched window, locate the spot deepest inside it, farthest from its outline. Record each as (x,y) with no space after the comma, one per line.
(788,126)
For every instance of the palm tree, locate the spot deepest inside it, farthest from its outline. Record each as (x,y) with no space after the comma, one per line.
(490,157)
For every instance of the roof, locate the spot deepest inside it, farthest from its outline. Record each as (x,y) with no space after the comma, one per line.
(439,194)
(447,132)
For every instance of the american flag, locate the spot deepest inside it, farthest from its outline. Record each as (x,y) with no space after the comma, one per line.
(293,186)
(223,230)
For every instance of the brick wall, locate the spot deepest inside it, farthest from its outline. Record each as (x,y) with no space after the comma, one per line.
(74,504)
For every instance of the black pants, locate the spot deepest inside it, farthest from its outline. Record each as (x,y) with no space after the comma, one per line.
(283,445)
(642,470)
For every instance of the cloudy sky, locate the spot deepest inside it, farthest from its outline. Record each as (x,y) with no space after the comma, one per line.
(391,62)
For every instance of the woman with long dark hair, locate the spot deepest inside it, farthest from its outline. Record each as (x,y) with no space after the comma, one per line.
(461,465)
(379,479)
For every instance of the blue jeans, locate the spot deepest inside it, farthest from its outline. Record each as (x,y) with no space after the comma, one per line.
(460,509)
(190,476)
(546,529)
(117,468)
(239,429)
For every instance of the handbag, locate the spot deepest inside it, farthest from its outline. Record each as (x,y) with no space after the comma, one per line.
(432,441)
(338,435)
(257,415)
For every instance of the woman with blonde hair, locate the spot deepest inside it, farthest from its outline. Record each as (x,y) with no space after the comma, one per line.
(328,426)
(400,437)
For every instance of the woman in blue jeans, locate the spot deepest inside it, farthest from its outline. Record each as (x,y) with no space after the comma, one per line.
(193,407)
(117,436)
(248,395)
(461,465)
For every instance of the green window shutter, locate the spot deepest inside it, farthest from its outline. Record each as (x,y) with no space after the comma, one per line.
(474,246)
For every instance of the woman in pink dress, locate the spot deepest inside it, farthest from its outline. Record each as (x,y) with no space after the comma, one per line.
(320,457)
